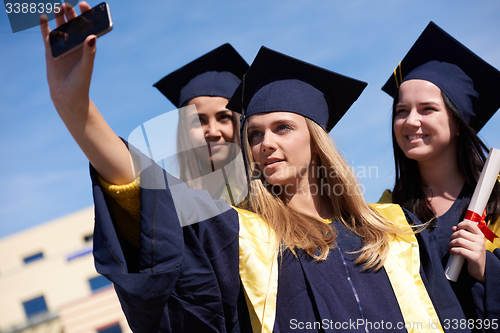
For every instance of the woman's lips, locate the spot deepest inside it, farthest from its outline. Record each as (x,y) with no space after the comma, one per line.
(415,137)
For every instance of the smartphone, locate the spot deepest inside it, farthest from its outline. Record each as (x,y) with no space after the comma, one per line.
(71,35)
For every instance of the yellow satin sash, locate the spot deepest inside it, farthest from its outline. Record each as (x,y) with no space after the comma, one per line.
(403,268)
(258,269)
(496,242)
(496,229)
(259,273)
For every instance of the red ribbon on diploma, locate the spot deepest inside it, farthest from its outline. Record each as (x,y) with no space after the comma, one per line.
(475,217)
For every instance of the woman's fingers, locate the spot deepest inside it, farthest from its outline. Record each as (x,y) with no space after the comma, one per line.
(89,49)
(463,247)
(60,20)
(466,226)
(69,10)
(84,7)
(44,28)
(467,240)
(467,235)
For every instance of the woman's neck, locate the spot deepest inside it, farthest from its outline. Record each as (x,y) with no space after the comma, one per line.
(309,199)
(441,184)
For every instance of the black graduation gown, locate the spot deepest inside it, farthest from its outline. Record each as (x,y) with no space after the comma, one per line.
(186,278)
(480,303)
(336,294)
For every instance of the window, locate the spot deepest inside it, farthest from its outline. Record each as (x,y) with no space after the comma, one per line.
(98,283)
(32,258)
(35,306)
(115,328)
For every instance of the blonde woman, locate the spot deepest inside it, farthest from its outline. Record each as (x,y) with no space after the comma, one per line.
(308,254)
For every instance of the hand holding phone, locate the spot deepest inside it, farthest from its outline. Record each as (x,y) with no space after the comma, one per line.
(71,35)
(69,82)
(69,76)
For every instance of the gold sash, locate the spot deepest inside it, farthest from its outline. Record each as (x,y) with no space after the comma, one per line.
(259,273)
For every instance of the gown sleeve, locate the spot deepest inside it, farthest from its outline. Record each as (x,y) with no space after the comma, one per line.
(184,275)
(440,291)
(487,296)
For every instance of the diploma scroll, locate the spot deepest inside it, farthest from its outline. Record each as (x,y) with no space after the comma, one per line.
(477,205)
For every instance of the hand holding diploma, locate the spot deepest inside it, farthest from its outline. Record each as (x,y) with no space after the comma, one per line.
(468,236)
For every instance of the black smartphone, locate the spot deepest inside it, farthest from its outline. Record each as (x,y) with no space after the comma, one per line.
(71,35)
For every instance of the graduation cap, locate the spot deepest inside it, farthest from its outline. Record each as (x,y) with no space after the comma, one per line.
(216,73)
(471,83)
(277,82)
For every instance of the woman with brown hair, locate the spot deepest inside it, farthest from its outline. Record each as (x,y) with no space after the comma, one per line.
(443,95)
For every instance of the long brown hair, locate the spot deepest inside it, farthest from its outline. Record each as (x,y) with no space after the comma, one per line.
(297,230)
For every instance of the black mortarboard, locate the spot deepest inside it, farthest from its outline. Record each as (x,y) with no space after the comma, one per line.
(472,84)
(277,82)
(216,73)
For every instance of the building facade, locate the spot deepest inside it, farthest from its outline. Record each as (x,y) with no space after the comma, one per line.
(48,282)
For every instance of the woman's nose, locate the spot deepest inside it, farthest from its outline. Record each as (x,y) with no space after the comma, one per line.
(212,130)
(268,142)
(413,119)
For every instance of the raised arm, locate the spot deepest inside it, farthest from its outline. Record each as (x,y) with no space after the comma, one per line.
(69,82)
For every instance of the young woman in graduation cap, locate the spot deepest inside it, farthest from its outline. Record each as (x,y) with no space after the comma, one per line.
(208,145)
(308,254)
(443,95)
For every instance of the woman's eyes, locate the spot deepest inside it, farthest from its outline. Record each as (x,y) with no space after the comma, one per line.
(252,135)
(401,111)
(196,122)
(203,120)
(405,112)
(225,117)
(279,129)
(284,127)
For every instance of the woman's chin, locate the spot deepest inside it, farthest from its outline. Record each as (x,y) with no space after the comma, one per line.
(416,155)
(278,180)
(222,159)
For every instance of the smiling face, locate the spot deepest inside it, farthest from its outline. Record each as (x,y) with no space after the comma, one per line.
(423,126)
(280,143)
(210,128)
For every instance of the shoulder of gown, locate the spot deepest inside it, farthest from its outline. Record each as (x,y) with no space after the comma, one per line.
(183,234)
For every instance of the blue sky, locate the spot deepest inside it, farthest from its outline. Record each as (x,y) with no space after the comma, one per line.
(45,175)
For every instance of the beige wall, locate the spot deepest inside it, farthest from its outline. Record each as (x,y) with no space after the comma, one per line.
(93,312)
(59,280)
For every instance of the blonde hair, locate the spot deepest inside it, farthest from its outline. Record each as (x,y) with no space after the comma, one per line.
(296,230)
